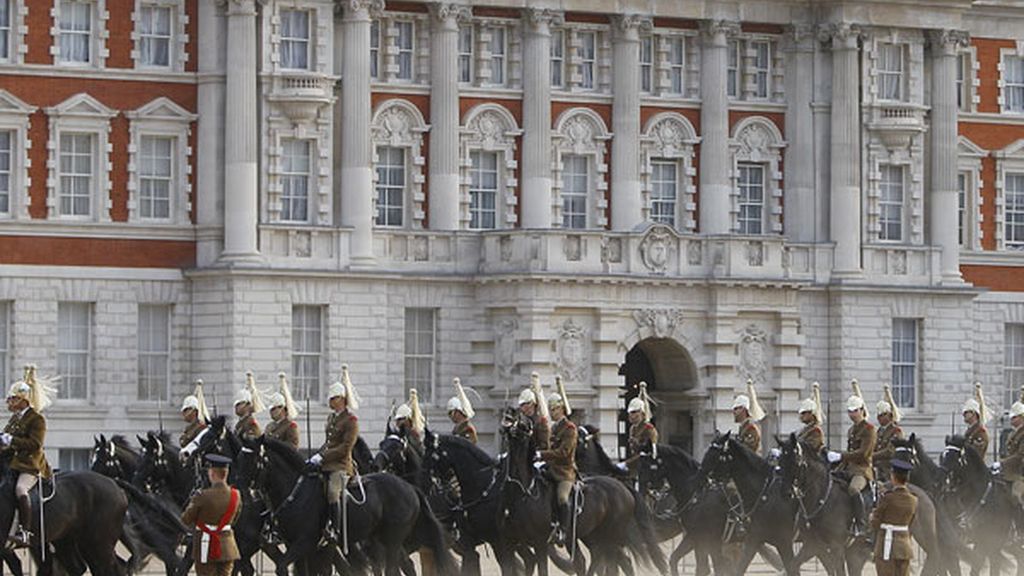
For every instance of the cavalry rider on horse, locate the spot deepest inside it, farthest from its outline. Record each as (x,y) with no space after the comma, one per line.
(1013,464)
(196,417)
(248,403)
(975,416)
(860,445)
(410,423)
(643,436)
(23,438)
(283,411)
(532,406)
(211,513)
(561,461)
(747,412)
(460,412)
(335,456)
(891,524)
(889,416)
(810,416)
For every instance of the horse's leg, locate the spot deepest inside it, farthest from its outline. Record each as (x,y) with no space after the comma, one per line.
(747,556)
(785,550)
(685,547)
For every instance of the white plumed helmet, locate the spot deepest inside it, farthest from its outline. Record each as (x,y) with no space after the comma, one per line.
(196,401)
(856,401)
(460,401)
(888,404)
(527,397)
(250,394)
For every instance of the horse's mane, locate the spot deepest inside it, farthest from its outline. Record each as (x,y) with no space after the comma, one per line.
(290,455)
(121,442)
(677,453)
(602,457)
(165,438)
(974,460)
(482,458)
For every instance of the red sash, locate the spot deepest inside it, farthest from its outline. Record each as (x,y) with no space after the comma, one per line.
(224,520)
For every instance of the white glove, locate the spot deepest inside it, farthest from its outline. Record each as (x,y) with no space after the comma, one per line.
(622,467)
(538,465)
(775,453)
(5,438)
(537,456)
(315,459)
(996,467)
(834,457)
(184,454)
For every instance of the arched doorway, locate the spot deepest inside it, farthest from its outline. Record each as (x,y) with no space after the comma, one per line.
(671,375)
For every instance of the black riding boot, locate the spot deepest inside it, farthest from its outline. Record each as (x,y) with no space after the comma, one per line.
(858,516)
(334,521)
(565,521)
(24,535)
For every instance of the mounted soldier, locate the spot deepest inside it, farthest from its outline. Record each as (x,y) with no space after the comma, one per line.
(23,440)
(534,407)
(643,436)
(561,462)
(889,416)
(282,426)
(212,512)
(460,412)
(891,524)
(248,403)
(335,455)
(196,417)
(1013,464)
(856,461)
(747,412)
(976,416)
(810,416)
(410,423)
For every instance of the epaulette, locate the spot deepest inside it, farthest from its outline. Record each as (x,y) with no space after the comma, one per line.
(292,424)
(648,426)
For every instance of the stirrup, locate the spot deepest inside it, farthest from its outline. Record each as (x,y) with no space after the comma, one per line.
(21,539)
(557,536)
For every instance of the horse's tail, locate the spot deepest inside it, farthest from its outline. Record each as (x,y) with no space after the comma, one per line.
(644,542)
(156,510)
(430,534)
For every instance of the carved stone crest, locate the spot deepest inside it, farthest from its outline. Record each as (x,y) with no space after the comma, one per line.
(505,346)
(655,249)
(572,351)
(755,253)
(662,322)
(753,354)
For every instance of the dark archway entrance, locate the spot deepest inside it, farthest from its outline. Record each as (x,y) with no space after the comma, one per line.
(670,374)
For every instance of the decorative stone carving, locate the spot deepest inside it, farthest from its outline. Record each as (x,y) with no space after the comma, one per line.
(421,249)
(537,17)
(694,254)
(572,351)
(446,11)
(505,346)
(611,250)
(899,262)
(661,321)
(491,128)
(712,28)
(571,248)
(948,42)
(755,253)
(839,35)
(656,247)
(753,354)
(505,248)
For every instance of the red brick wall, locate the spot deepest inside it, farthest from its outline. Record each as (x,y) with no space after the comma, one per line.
(38,39)
(132,253)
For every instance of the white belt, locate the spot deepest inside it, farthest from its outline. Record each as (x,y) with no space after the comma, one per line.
(889,529)
(204,542)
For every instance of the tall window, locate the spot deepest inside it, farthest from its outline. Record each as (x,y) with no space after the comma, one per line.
(74,459)
(483,190)
(155,36)
(890,203)
(6,140)
(499,56)
(294,39)
(963,90)
(421,351)
(676,63)
(732,68)
(646,63)
(1013,95)
(75,32)
(5,336)
(588,58)
(155,176)
(295,177)
(154,349)
(466,53)
(74,348)
(751,198)
(406,42)
(1014,211)
(762,67)
(307,350)
(375,49)
(76,174)
(1013,363)
(664,189)
(390,186)
(961,187)
(904,361)
(575,189)
(5,29)
(557,58)
(890,71)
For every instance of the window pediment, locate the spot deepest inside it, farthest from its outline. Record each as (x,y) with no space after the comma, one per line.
(11,104)
(163,109)
(82,105)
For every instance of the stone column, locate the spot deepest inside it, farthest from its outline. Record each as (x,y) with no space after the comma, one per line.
(845,197)
(800,208)
(444,116)
(943,204)
(715,189)
(210,134)
(356,145)
(536,183)
(625,197)
(241,181)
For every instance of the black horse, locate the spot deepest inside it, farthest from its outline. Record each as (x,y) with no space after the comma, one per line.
(162,471)
(591,459)
(114,458)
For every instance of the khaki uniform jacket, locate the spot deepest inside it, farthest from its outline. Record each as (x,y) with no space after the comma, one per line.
(190,433)
(284,430)
(247,428)
(977,438)
(1013,464)
(465,429)
(561,458)
(813,436)
(208,507)
(642,437)
(541,432)
(896,507)
(28,432)
(860,445)
(341,432)
(884,449)
(750,436)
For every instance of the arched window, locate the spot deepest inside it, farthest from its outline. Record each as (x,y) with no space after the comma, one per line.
(667,171)
(398,129)
(488,168)
(756,176)
(578,174)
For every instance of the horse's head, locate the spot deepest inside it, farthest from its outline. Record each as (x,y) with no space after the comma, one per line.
(956,461)
(718,460)
(105,460)
(158,461)
(652,474)
(250,465)
(905,449)
(391,455)
(794,459)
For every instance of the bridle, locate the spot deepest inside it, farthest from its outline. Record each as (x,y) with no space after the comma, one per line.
(799,484)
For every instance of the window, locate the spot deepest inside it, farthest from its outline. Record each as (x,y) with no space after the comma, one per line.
(155,36)
(74,459)
(1014,211)
(156,177)
(1013,97)
(375,49)
(154,341)
(76,174)
(588,59)
(961,186)
(751,200)
(499,53)
(390,186)
(890,203)
(904,361)
(557,58)
(75,32)
(405,50)
(295,177)
(646,63)
(1013,364)
(466,53)
(676,64)
(890,71)
(762,65)
(5,29)
(307,350)
(483,190)
(420,351)
(74,347)
(963,86)
(575,188)
(5,336)
(6,140)
(664,188)
(294,39)
(732,68)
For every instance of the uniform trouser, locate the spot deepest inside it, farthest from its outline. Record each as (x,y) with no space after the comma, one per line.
(215,568)
(25,483)
(1018,490)
(892,567)
(857,484)
(336,482)
(562,490)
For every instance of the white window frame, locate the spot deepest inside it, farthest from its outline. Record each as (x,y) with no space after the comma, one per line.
(484,215)
(98,34)
(647,44)
(178,47)
(664,208)
(82,114)
(15,30)
(383,209)
(5,339)
(587,59)
(669,136)
(566,192)
(402,52)
(153,179)
(286,176)
(14,118)
(308,41)
(581,131)
(760,70)
(1013,210)
(490,128)
(496,37)
(902,346)
(757,140)
(1013,362)
(72,145)
(969,157)
(467,56)
(1011,80)
(308,385)
(557,53)
(399,124)
(1009,161)
(375,48)
(900,204)
(320,201)
(750,216)
(676,69)
(732,68)
(148,352)
(416,323)
(162,117)
(890,73)
(63,391)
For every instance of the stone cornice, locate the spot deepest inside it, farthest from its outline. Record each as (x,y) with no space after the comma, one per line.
(538,17)
(711,28)
(450,12)
(840,35)
(948,42)
(373,7)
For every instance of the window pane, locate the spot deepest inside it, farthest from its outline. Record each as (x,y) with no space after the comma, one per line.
(75,31)
(588,58)
(295,180)
(405,48)
(5,331)
(575,189)
(154,351)
(294,45)
(1014,211)
(307,350)
(751,198)
(483,190)
(73,348)
(904,361)
(6,138)
(557,57)
(420,358)
(664,185)
(891,199)
(1013,364)
(466,53)
(74,459)
(390,186)
(732,68)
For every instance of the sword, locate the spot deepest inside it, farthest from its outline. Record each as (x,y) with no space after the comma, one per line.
(160,413)
(309,432)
